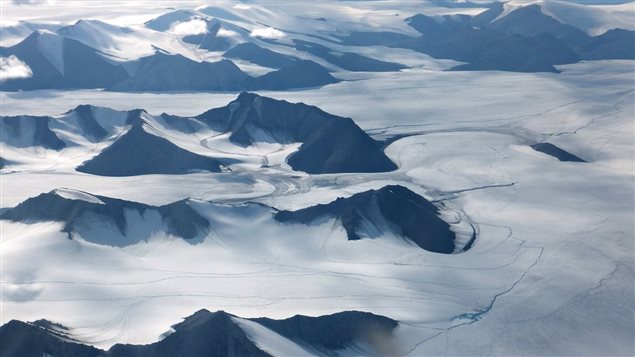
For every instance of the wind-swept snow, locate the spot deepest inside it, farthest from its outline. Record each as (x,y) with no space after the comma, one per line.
(550,269)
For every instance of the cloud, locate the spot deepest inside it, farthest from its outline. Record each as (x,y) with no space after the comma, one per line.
(193,27)
(32,2)
(11,67)
(226,33)
(267,32)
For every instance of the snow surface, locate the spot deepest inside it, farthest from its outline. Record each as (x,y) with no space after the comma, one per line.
(271,342)
(51,46)
(550,272)
(77,195)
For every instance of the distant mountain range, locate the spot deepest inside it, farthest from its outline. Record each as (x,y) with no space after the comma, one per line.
(157,57)
(216,334)
(391,212)
(137,143)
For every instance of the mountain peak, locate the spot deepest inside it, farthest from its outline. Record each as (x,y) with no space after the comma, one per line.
(391,208)
(246,97)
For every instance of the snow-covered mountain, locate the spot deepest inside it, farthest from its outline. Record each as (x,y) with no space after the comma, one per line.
(144,144)
(219,333)
(515,36)
(60,62)
(294,178)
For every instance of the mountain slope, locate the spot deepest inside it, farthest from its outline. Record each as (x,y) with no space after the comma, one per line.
(347,60)
(59,62)
(253,53)
(298,74)
(138,152)
(329,143)
(530,21)
(164,72)
(29,131)
(374,213)
(613,44)
(219,333)
(86,214)
(21,339)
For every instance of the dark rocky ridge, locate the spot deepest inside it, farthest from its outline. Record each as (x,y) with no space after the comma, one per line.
(29,131)
(210,39)
(138,152)
(613,44)
(525,40)
(202,334)
(558,153)
(331,332)
(369,38)
(298,74)
(164,72)
(347,60)
(253,53)
(89,125)
(402,211)
(205,333)
(179,218)
(330,144)
(530,21)
(21,339)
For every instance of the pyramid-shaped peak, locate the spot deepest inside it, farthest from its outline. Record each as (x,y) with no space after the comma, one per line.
(246,97)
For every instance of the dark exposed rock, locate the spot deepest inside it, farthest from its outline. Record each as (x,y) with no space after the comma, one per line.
(299,74)
(265,57)
(29,131)
(369,38)
(330,143)
(212,334)
(613,44)
(163,72)
(347,60)
(179,218)
(486,48)
(202,334)
(332,332)
(89,125)
(210,40)
(82,66)
(556,152)
(138,152)
(21,339)
(391,208)
(530,21)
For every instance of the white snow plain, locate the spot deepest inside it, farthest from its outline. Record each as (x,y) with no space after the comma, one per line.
(550,273)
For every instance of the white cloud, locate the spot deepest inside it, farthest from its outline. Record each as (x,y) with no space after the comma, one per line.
(33,2)
(242,7)
(193,27)
(226,33)
(11,67)
(268,32)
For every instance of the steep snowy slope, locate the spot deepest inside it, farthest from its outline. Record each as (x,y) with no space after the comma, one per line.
(219,334)
(594,19)
(138,152)
(372,214)
(59,62)
(14,33)
(29,131)
(108,221)
(125,43)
